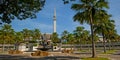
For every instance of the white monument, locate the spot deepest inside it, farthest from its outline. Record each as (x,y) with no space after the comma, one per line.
(54,21)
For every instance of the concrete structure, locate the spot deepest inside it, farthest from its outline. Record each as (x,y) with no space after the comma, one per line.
(54,21)
(46,38)
(23,47)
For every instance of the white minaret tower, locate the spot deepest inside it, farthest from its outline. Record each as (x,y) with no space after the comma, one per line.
(54,21)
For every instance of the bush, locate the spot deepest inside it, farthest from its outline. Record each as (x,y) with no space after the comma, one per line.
(40,53)
(15,52)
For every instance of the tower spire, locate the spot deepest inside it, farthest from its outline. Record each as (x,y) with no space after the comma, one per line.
(54,20)
(54,17)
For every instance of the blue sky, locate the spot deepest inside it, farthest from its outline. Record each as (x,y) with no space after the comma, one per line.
(44,20)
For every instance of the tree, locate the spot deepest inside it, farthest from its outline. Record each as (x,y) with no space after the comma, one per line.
(18,39)
(67,1)
(7,34)
(2,39)
(36,34)
(118,38)
(111,33)
(70,39)
(27,34)
(55,38)
(64,35)
(28,37)
(103,27)
(85,35)
(81,36)
(88,11)
(20,9)
(78,34)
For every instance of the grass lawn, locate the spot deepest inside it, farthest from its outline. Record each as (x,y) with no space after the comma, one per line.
(83,50)
(5,52)
(109,52)
(97,58)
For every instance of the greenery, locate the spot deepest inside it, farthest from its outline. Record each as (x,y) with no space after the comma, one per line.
(5,52)
(20,9)
(35,44)
(84,50)
(64,36)
(55,38)
(92,12)
(97,58)
(109,52)
(67,1)
(9,36)
(55,44)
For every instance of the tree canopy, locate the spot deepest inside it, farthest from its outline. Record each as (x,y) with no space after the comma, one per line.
(55,38)
(20,9)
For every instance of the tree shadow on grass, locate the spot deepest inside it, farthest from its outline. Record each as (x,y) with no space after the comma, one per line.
(18,57)
(54,58)
(10,57)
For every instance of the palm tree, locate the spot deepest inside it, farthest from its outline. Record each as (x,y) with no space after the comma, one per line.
(18,39)
(2,39)
(85,35)
(55,38)
(27,34)
(36,34)
(111,32)
(7,34)
(87,12)
(11,37)
(64,35)
(70,39)
(78,33)
(103,27)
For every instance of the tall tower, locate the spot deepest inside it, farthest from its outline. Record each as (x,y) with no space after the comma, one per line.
(54,21)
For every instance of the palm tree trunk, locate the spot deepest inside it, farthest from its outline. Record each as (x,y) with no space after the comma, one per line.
(80,45)
(92,34)
(104,43)
(93,43)
(8,45)
(3,47)
(109,44)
